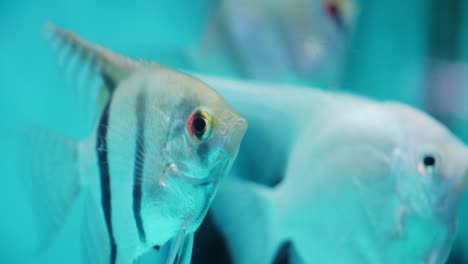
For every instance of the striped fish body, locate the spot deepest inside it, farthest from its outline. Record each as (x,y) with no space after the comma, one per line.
(144,203)
(138,124)
(151,167)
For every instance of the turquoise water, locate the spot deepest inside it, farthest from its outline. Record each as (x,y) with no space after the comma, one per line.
(406,56)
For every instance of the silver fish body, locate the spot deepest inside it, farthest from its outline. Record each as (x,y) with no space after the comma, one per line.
(343,179)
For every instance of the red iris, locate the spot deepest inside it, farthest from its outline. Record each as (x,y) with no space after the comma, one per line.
(199,125)
(190,125)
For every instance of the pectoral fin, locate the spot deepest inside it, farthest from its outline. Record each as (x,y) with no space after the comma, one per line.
(181,249)
(185,252)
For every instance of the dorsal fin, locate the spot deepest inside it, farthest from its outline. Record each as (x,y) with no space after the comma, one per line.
(94,71)
(113,67)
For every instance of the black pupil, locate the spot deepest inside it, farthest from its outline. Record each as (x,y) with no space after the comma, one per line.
(429,161)
(199,125)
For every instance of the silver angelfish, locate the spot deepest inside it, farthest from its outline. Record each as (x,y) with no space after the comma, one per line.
(342,179)
(150,168)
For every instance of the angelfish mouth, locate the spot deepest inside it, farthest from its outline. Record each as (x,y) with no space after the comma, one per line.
(172,170)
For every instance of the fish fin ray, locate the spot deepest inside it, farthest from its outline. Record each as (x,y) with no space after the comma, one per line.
(97,69)
(47,166)
(180,251)
(176,243)
(185,252)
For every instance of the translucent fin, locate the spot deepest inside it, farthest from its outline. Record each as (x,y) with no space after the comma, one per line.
(185,252)
(243,213)
(94,242)
(113,67)
(47,166)
(181,249)
(175,247)
(176,251)
(95,70)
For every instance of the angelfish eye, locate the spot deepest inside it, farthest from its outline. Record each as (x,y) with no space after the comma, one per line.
(199,125)
(428,164)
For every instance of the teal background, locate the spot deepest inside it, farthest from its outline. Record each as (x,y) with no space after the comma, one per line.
(398,51)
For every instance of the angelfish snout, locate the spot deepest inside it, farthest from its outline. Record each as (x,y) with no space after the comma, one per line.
(236,132)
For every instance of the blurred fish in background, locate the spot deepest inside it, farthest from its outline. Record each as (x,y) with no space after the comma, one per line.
(299,41)
(346,187)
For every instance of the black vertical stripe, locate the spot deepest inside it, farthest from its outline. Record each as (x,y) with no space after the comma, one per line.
(101,149)
(139,164)
(109,83)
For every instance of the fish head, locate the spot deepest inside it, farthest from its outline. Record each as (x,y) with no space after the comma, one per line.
(431,160)
(208,134)
(431,172)
(200,132)
(396,175)
(202,139)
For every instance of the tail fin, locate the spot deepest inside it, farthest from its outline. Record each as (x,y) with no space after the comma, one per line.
(47,165)
(244,213)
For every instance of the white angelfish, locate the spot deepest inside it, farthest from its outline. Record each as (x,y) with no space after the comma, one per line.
(342,179)
(301,41)
(151,167)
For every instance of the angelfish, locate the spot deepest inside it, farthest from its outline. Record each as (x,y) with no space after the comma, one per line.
(151,167)
(342,179)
